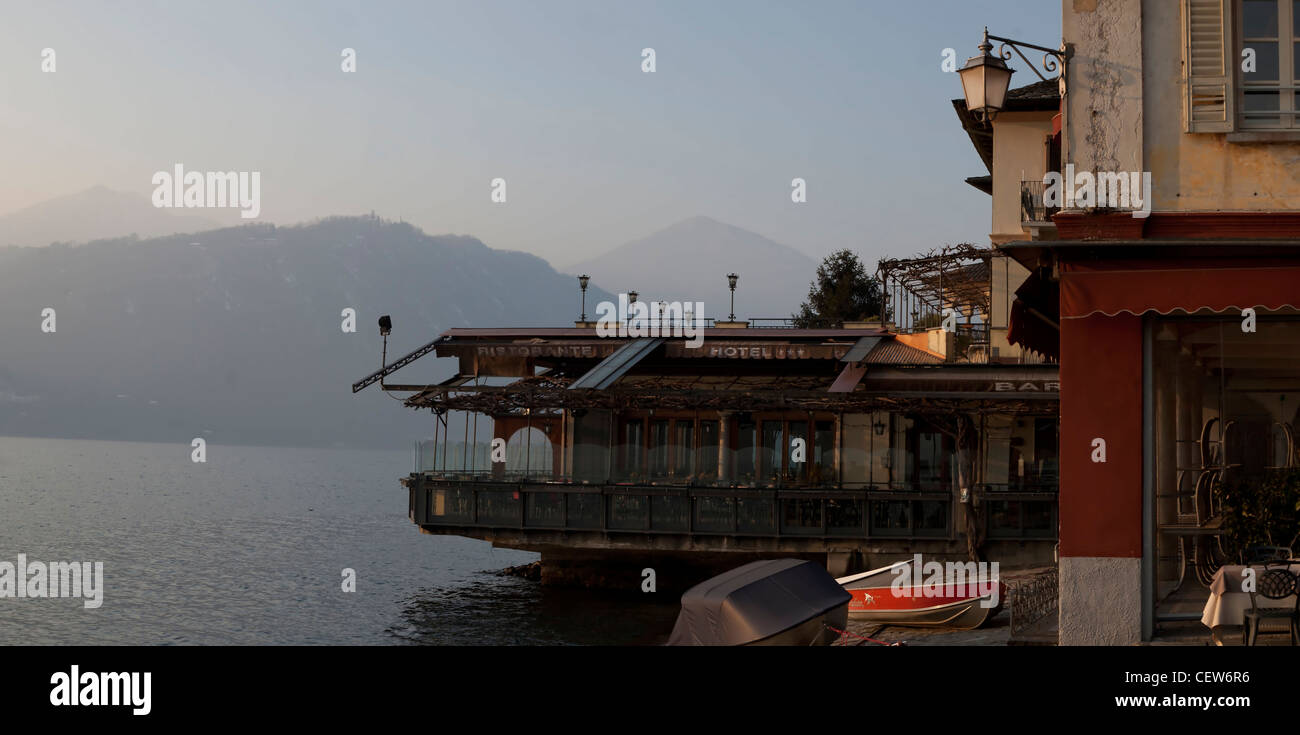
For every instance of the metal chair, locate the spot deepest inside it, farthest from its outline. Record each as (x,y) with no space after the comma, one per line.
(1277,583)
(1266,554)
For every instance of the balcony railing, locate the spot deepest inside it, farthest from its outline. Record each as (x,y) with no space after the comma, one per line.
(835,513)
(1032,209)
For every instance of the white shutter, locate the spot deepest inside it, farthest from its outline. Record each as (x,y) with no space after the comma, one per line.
(1208,66)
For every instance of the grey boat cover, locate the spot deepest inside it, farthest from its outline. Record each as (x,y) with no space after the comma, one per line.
(755,601)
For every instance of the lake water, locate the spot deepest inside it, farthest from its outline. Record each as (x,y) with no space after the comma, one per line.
(249,548)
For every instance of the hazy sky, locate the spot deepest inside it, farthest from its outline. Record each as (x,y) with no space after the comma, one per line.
(548,95)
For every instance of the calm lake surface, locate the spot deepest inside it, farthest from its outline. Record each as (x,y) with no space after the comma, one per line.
(249,548)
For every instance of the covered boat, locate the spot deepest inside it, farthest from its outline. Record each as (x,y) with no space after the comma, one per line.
(764,603)
(964,606)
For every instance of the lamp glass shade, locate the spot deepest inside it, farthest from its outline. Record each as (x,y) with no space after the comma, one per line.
(985,81)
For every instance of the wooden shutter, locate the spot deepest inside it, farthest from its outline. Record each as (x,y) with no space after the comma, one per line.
(1209,66)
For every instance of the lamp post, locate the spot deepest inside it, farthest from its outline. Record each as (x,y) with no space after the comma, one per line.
(731,281)
(582,283)
(385,326)
(986,78)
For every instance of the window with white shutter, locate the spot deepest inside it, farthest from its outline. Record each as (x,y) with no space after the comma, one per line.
(1208,66)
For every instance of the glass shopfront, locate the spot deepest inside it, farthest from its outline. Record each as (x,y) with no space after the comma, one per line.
(1223,409)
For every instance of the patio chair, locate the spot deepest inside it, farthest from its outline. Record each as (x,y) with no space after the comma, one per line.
(1273,584)
(1266,554)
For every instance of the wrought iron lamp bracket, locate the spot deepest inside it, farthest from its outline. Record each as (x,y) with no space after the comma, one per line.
(1053,59)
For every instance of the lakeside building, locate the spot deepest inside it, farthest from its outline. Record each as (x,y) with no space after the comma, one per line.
(1172,392)
(855,445)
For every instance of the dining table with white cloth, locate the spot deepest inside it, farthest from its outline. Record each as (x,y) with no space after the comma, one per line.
(1229,599)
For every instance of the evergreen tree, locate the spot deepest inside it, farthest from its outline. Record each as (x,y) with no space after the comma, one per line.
(842,292)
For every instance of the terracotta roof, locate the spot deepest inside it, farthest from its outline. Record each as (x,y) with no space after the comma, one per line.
(893,352)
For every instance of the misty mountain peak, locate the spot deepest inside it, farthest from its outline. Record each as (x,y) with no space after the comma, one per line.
(690,259)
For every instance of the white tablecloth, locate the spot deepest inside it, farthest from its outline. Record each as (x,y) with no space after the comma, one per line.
(1228,603)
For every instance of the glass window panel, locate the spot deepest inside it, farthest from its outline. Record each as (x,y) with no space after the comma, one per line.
(823,456)
(798,470)
(997,447)
(928,457)
(844,516)
(856,449)
(774,449)
(1038,518)
(891,516)
(658,449)
(801,515)
(1045,453)
(932,516)
(1257,101)
(1266,62)
(746,446)
(633,442)
(708,460)
(1223,426)
(1295,19)
(1259,18)
(684,449)
(1004,517)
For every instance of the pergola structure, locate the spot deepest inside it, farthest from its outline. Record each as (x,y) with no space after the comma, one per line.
(917,290)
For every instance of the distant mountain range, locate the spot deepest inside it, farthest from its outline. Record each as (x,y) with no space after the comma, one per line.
(235,334)
(98,213)
(689,261)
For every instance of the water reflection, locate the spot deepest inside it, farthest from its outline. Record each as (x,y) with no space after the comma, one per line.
(512,611)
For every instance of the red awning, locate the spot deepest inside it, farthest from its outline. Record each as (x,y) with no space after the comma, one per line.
(1137,287)
(1035,316)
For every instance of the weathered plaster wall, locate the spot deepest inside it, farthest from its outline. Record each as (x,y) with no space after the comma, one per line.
(1202,171)
(1103,109)
(1100,601)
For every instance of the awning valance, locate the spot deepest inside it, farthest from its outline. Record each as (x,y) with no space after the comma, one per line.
(1136,287)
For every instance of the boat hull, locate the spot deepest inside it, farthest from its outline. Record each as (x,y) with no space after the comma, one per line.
(812,632)
(875,599)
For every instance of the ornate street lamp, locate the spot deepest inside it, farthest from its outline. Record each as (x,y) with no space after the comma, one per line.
(582,283)
(731,281)
(986,78)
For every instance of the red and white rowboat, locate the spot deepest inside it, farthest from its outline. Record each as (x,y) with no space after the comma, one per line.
(956,606)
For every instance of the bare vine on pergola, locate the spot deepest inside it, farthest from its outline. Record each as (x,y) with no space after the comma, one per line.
(956,276)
